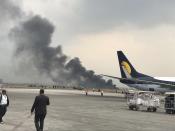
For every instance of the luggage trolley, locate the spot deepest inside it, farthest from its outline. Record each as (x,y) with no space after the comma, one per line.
(143,99)
(170,102)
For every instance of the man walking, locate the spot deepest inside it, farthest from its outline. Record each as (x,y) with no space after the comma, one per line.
(4,103)
(40,107)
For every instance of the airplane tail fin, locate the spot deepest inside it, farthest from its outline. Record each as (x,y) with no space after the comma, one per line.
(126,68)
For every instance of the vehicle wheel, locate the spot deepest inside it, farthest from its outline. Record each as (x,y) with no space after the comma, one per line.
(131,107)
(172,111)
(154,109)
(148,109)
(136,108)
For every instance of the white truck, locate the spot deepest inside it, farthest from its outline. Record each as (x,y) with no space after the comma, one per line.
(143,99)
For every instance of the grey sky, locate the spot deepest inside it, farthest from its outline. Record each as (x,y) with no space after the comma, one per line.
(90,16)
(102,15)
(94,30)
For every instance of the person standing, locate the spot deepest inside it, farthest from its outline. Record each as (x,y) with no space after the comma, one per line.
(4,103)
(40,108)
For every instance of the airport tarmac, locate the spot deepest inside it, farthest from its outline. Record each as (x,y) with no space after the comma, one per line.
(71,110)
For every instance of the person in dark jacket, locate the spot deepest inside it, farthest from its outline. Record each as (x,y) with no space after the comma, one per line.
(40,107)
(4,103)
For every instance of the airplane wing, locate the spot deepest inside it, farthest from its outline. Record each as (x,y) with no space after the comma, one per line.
(135,80)
(112,77)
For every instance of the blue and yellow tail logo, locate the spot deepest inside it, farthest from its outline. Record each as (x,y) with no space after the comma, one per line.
(126,66)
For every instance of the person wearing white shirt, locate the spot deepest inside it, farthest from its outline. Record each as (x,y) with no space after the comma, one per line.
(4,103)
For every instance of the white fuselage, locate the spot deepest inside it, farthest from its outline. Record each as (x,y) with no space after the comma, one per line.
(155,87)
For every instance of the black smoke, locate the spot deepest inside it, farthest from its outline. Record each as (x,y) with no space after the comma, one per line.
(33,38)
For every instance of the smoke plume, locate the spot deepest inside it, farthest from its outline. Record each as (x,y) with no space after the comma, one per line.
(32,44)
(8,10)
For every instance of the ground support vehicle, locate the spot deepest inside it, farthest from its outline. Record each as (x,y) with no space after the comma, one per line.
(143,99)
(170,102)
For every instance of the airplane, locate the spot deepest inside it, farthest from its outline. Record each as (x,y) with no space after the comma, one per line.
(132,78)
